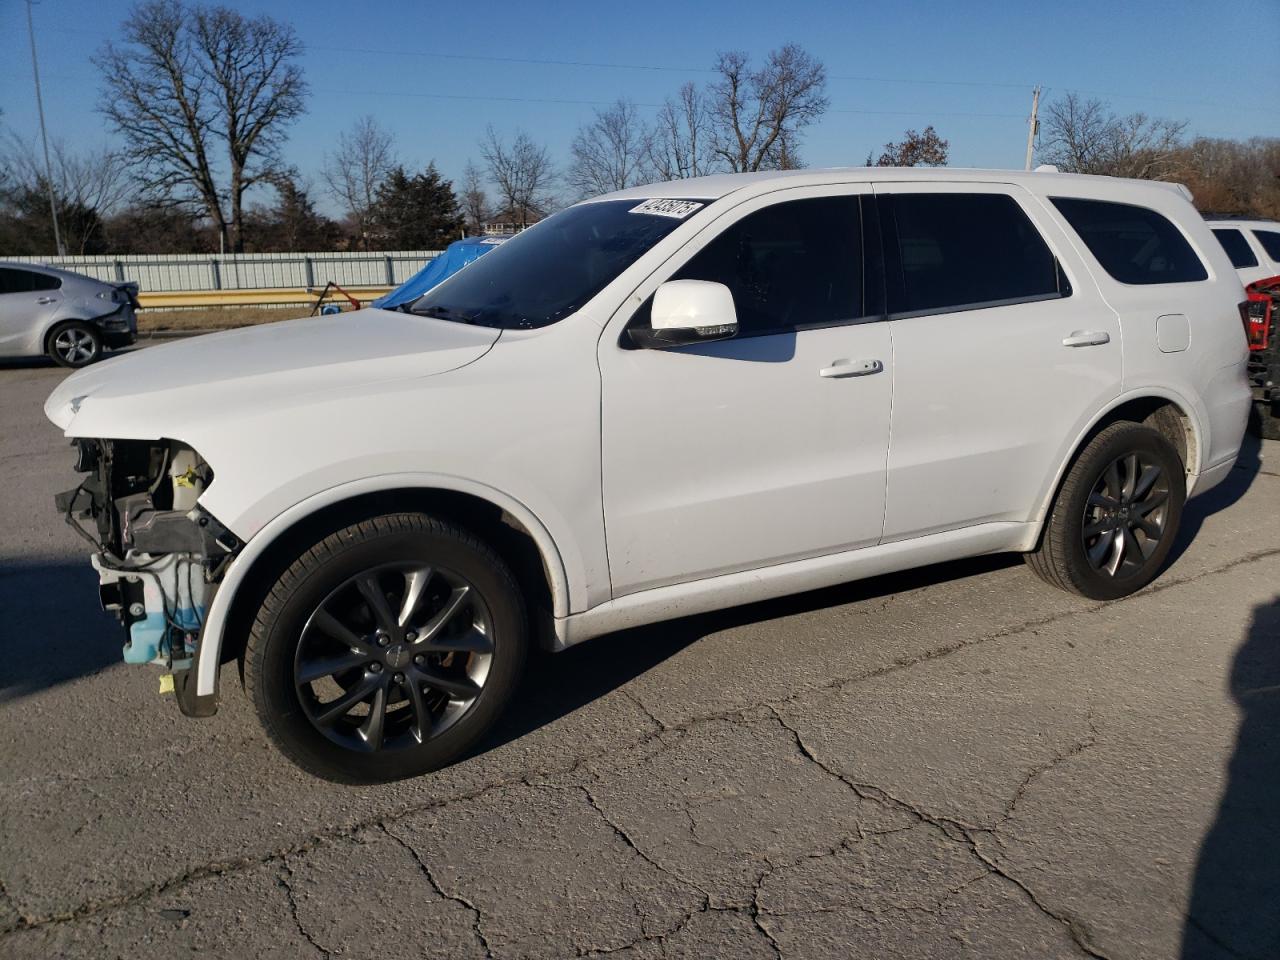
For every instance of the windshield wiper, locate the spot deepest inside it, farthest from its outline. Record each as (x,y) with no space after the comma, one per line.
(442,313)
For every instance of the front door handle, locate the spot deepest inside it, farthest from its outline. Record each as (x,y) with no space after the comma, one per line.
(46,299)
(1086,338)
(851,368)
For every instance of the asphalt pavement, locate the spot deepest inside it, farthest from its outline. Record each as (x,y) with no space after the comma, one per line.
(955,762)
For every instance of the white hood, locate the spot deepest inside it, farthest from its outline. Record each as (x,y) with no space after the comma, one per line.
(162,391)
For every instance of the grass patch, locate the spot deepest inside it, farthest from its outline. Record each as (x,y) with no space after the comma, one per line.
(215,318)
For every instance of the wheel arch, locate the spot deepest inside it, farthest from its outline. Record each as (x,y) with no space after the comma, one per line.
(1163,410)
(51,326)
(511,528)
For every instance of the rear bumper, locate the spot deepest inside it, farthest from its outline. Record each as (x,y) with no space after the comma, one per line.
(1210,478)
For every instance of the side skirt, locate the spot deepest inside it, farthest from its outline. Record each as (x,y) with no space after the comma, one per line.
(797,576)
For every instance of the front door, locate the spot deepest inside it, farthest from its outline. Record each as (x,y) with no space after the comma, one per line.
(767,447)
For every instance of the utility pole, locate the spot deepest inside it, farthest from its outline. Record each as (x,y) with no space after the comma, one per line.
(44,137)
(1033,126)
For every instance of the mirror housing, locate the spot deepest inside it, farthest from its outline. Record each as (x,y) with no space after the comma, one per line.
(688,311)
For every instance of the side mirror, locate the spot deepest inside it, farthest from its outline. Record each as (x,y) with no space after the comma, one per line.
(688,311)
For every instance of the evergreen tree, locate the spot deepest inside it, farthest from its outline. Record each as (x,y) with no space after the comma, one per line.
(415,211)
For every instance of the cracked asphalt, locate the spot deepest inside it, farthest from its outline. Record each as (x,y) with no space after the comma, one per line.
(955,762)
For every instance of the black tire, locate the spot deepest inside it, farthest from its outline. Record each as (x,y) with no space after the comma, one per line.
(74,344)
(1072,531)
(385,547)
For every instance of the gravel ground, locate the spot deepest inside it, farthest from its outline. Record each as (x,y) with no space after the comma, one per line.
(955,762)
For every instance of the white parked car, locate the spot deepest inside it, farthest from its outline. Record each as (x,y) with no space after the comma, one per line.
(1252,245)
(68,316)
(666,400)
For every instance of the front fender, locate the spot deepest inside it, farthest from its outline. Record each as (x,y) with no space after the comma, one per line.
(213,632)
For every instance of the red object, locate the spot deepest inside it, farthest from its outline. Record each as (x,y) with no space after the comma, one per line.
(1257,311)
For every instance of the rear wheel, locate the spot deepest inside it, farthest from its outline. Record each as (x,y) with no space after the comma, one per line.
(1116,515)
(386,650)
(75,344)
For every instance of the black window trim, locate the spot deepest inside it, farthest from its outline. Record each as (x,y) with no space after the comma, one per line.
(872,268)
(1195,250)
(889,235)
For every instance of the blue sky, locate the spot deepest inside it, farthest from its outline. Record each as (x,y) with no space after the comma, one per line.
(967,68)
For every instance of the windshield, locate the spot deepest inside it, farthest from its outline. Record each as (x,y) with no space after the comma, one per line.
(551,270)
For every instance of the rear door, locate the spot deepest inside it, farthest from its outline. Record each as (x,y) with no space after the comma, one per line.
(1002,348)
(28,299)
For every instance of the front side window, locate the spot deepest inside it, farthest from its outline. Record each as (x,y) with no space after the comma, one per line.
(955,251)
(552,269)
(791,265)
(1134,244)
(1270,240)
(1237,248)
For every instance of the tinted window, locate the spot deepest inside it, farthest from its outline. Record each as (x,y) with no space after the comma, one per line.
(1237,248)
(794,264)
(953,250)
(1133,244)
(552,269)
(26,281)
(1270,241)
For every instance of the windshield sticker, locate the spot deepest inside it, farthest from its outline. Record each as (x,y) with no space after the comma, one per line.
(676,209)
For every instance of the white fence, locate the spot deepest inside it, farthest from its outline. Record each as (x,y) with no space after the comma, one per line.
(165,273)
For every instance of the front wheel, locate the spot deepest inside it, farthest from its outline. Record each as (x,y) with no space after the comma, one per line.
(386,650)
(1116,515)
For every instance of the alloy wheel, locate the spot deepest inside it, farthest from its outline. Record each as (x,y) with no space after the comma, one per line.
(393,657)
(1126,515)
(75,346)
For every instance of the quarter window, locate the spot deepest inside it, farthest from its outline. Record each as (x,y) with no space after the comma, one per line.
(1134,244)
(794,264)
(1237,248)
(955,251)
(1270,241)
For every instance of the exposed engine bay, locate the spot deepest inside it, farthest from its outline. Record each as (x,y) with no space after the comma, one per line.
(159,556)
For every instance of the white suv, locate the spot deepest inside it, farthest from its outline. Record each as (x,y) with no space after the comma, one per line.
(666,400)
(1253,247)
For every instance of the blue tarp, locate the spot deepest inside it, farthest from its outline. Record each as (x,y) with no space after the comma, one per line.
(456,256)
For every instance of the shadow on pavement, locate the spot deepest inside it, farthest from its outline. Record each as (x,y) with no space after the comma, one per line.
(51,628)
(558,684)
(1235,893)
(1230,490)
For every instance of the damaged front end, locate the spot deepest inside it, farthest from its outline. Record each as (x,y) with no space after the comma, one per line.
(160,555)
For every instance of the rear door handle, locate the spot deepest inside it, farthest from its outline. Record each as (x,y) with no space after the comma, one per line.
(46,299)
(851,368)
(1086,338)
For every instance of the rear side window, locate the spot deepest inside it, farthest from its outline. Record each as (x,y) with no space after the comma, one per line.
(792,265)
(955,251)
(1270,241)
(26,281)
(1134,244)
(1237,247)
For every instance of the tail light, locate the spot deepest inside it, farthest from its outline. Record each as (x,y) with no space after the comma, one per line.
(1255,313)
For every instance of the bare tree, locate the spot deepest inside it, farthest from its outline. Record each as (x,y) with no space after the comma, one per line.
(758,114)
(523,174)
(1084,136)
(611,152)
(916,149)
(192,88)
(89,186)
(473,200)
(353,172)
(680,145)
